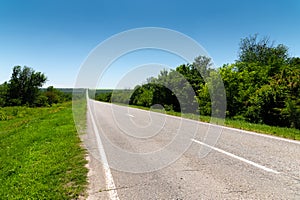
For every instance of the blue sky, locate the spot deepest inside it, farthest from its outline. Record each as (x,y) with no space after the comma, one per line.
(56,36)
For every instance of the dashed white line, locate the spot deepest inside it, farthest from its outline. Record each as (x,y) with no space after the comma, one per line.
(111,187)
(129,115)
(230,154)
(237,157)
(224,127)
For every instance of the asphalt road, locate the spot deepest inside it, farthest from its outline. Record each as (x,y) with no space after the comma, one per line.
(147,155)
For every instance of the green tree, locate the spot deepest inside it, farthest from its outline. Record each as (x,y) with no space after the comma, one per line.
(23,87)
(288,83)
(263,85)
(196,72)
(202,65)
(183,92)
(176,89)
(121,96)
(204,100)
(3,94)
(231,80)
(263,53)
(106,96)
(53,95)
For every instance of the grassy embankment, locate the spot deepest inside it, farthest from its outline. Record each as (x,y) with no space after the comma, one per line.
(40,154)
(290,133)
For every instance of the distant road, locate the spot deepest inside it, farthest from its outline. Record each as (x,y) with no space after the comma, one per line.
(242,165)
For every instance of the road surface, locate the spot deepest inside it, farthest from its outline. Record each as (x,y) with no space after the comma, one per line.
(241,165)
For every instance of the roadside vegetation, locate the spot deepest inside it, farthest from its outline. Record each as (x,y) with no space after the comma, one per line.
(40,154)
(24,89)
(262,89)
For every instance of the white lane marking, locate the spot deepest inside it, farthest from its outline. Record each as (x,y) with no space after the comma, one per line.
(224,127)
(111,187)
(237,157)
(129,115)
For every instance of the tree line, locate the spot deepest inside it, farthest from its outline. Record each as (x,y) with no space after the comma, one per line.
(262,86)
(24,89)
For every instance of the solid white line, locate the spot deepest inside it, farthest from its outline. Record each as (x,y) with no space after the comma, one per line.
(111,187)
(237,157)
(224,127)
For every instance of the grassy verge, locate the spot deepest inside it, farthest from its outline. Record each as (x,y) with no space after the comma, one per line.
(289,133)
(40,154)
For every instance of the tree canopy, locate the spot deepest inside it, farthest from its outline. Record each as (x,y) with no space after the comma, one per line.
(262,86)
(23,86)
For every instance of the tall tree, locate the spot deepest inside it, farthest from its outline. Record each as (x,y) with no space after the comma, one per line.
(262,52)
(23,87)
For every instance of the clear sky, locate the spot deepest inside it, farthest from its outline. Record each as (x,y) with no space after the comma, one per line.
(56,36)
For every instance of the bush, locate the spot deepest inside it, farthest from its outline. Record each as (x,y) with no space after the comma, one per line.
(41,101)
(106,97)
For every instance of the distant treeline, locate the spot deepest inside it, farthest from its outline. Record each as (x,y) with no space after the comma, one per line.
(24,89)
(63,90)
(262,86)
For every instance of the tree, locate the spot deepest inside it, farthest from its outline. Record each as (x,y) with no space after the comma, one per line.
(231,82)
(204,100)
(262,52)
(53,95)
(121,96)
(196,72)
(106,96)
(182,91)
(202,65)
(3,94)
(23,87)
(263,85)
(176,89)
(288,83)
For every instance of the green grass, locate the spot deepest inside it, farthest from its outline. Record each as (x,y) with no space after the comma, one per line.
(40,154)
(290,133)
